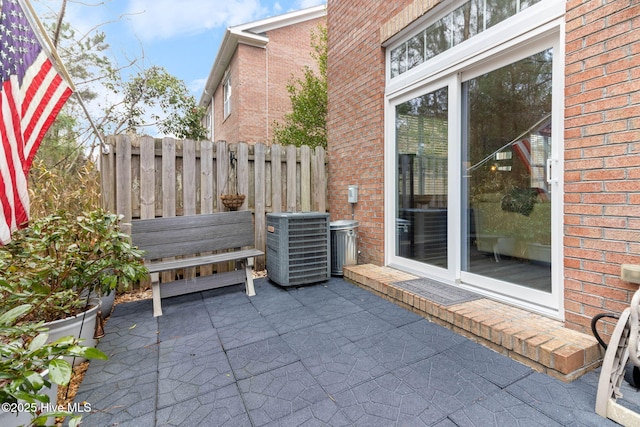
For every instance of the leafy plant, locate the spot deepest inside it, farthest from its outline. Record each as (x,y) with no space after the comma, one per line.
(520,200)
(307,122)
(25,356)
(151,90)
(53,187)
(58,258)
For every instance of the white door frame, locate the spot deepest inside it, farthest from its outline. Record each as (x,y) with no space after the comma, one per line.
(456,66)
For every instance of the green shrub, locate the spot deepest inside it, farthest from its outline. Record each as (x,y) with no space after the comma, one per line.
(25,356)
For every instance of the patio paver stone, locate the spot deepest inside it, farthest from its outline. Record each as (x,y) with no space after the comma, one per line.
(331,354)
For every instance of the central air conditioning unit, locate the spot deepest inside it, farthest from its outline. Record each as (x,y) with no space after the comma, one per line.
(298,248)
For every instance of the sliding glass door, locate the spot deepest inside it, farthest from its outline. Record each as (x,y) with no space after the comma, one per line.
(422,138)
(473,199)
(507,199)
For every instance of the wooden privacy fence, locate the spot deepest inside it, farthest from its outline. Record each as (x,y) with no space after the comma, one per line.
(145,177)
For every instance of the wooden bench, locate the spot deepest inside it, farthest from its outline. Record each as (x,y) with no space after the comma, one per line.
(193,238)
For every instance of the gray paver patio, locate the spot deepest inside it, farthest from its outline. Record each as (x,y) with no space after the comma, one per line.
(327,354)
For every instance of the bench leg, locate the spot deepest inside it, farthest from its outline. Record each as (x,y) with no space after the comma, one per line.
(249,283)
(155,289)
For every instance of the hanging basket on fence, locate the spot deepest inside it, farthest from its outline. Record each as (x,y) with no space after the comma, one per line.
(232,201)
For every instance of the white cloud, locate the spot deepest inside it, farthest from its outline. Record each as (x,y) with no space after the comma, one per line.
(196,87)
(164,19)
(153,20)
(303,4)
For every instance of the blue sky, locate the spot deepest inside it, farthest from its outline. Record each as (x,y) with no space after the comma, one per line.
(182,36)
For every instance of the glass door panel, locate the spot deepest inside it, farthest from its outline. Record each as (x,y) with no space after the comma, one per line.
(421,179)
(506,131)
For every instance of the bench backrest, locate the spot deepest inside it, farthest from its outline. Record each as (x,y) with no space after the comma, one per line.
(192,234)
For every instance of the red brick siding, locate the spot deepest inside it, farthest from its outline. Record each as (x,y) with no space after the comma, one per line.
(602,156)
(256,101)
(602,142)
(251,94)
(356,75)
(226,129)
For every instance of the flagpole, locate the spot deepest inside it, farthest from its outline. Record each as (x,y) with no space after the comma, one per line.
(63,69)
(518,138)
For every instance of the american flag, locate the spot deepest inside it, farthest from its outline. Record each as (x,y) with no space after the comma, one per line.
(31,97)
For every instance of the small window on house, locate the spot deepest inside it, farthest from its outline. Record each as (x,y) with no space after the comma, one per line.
(227,97)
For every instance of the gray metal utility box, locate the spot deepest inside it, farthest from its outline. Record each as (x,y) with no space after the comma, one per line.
(298,248)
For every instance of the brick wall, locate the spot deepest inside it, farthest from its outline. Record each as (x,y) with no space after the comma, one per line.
(226,129)
(602,156)
(252,94)
(602,140)
(256,101)
(355,119)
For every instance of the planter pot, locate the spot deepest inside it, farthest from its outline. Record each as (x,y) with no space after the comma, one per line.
(106,301)
(81,326)
(11,419)
(232,201)
(106,304)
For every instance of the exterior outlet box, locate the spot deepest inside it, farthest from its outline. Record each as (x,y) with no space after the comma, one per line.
(352,194)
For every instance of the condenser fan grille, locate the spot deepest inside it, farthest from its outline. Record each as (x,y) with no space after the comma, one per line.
(298,248)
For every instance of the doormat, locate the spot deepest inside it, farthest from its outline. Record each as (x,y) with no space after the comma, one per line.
(437,292)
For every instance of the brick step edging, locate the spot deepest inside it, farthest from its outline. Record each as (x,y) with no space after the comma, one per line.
(537,341)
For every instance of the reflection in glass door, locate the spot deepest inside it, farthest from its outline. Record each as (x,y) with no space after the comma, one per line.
(506,132)
(421,178)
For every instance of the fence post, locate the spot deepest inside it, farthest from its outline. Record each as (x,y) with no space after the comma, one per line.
(123,180)
(168,186)
(147,186)
(189,187)
(206,177)
(147,178)
(242,172)
(320,180)
(291,178)
(222,164)
(189,177)
(305,178)
(260,213)
(206,189)
(276,178)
